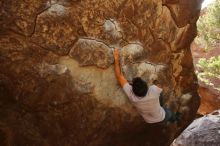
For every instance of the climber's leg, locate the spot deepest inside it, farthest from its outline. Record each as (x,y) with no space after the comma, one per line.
(161,99)
(168,114)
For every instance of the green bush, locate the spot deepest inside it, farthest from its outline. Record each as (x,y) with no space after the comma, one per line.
(209,68)
(208,37)
(208,27)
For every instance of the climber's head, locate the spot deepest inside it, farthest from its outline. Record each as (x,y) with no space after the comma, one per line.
(139,87)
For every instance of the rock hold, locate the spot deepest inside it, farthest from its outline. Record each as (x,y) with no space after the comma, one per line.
(131,52)
(112,27)
(92,52)
(57,9)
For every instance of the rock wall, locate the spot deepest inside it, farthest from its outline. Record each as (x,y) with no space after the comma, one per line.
(209,101)
(57,83)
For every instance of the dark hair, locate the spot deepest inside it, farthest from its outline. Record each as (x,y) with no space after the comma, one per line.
(139,87)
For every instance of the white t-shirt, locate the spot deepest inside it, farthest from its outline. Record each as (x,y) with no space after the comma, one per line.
(148,106)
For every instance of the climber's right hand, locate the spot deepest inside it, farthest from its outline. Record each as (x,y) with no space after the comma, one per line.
(116,54)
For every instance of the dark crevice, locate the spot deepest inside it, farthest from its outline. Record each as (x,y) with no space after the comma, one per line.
(16,32)
(167,43)
(71,46)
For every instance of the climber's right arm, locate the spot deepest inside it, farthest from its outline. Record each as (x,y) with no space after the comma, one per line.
(120,77)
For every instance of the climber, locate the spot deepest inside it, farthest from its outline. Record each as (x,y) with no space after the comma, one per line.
(146,100)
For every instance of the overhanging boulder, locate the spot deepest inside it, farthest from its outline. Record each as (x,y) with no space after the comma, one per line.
(57,80)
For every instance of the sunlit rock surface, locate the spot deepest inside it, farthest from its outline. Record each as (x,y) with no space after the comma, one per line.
(57,82)
(203,131)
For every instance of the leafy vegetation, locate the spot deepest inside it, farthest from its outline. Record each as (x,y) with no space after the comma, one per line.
(210,68)
(209,27)
(209,37)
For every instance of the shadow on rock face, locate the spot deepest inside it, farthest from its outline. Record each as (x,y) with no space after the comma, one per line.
(6,90)
(6,136)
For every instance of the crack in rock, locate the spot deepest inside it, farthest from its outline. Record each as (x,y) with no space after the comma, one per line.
(52,30)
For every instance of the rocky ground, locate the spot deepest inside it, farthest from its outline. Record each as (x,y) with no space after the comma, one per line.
(204,131)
